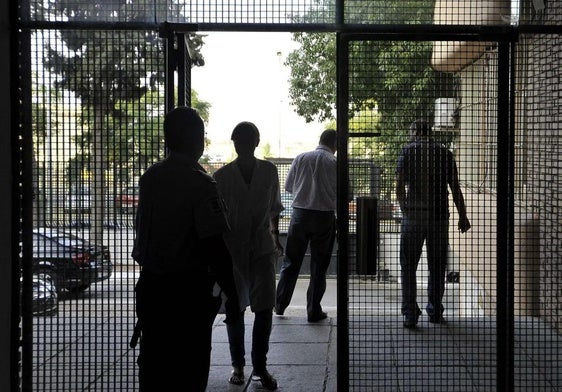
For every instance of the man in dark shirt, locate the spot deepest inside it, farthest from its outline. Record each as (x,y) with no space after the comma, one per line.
(424,171)
(179,245)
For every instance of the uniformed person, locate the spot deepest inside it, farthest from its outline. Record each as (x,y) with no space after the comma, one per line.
(179,245)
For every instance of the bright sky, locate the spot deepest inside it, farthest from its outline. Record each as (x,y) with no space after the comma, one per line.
(244,79)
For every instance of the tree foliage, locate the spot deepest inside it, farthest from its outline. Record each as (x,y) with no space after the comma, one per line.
(312,84)
(117,77)
(395,77)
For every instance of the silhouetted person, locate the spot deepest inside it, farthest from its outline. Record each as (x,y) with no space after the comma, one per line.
(312,180)
(424,171)
(250,188)
(179,245)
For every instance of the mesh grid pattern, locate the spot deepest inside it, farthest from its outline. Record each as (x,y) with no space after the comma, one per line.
(93,136)
(445,12)
(383,354)
(90,192)
(462,108)
(537,221)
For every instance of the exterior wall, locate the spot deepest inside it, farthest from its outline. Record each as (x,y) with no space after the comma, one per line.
(476,159)
(536,247)
(543,172)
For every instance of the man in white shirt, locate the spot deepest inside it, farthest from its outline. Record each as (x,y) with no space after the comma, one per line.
(312,180)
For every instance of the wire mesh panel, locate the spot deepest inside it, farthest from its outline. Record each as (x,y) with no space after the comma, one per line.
(183,11)
(381,12)
(98,101)
(537,219)
(398,340)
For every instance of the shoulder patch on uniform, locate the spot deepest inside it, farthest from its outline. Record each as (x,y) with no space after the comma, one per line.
(206,176)
(215,205)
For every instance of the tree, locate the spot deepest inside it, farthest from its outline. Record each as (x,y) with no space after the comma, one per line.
(107,72)
(312,82)
(137,140)
(395,77)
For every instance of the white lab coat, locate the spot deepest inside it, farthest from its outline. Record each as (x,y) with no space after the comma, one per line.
(249,210)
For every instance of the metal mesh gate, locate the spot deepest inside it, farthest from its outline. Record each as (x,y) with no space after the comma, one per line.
(457,353)
(97,109)
(94,89)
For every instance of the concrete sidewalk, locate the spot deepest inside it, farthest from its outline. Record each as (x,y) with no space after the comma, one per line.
(302,355)
(385,356)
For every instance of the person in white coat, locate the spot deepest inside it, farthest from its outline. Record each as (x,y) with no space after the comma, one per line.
(250,188)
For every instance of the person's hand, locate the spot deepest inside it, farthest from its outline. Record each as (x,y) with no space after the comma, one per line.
(232,311)
(279,248)
(464,224)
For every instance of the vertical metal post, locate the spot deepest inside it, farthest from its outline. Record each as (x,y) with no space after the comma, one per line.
(187,64)
(171,62)
(340,16)
(23,175)
(184,70)
(181,60)
(505,210)
(367,235)
(342,71)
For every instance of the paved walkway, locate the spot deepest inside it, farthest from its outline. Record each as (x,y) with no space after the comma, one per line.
(302,355)
(85,348)
(459,355)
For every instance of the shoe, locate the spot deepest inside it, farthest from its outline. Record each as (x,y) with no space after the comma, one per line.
(411,322)
(279,312)
(266,379)
(314,317)
(436,319)
(237,376)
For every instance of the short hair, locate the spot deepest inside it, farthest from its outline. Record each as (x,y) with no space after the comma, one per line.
(329,138)
(421,128)
(245,129)
(183,128)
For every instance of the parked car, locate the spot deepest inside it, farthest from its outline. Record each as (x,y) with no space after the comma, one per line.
(128,199)
(71,262)
(45,297)
(44,301)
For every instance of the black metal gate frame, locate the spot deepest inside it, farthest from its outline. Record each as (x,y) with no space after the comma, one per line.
(505,176)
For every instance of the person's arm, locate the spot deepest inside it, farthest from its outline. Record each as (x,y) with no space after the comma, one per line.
(141,227)
(275,231)
(290,179)
(276,209)
(220,262)
(458,199)
(211,222)
(400,190)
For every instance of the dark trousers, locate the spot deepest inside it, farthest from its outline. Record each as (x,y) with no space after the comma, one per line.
(414,232)
(317,229)
(260,340)
(170,358)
